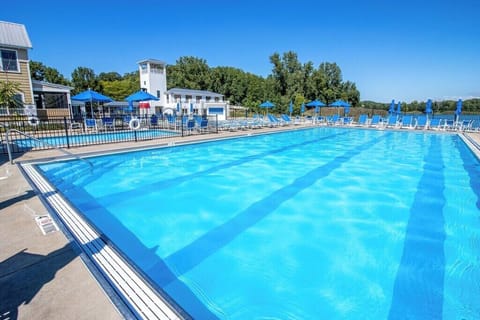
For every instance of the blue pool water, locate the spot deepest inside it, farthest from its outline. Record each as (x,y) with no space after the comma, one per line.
(325,223)
(82,139)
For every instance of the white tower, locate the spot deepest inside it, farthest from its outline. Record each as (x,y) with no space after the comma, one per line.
(153,78)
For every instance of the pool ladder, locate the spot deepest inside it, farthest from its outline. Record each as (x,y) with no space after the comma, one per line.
(42,142)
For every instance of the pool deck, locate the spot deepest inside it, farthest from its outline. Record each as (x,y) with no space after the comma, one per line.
(43,276)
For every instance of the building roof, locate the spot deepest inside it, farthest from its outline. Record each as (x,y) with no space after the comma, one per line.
(191,92)
(152,61)
(45,86)
(14,35)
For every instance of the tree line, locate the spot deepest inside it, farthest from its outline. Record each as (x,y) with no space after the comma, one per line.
(289,81)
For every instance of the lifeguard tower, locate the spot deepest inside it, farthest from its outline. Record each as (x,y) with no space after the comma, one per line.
(153,79)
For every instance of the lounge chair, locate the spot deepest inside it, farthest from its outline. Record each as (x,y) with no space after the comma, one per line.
(435,124)
(286,119)
(407,122)
(274,122)
(449,125)
(465,125)
(421,123)
(153,120)
(333,120)
(108,123)
(189,126)
(392,122)
(347,121)
(375,122)
(203,125)
(91,125)
(362,120)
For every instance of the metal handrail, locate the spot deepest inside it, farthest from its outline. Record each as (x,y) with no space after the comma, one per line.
(42,142)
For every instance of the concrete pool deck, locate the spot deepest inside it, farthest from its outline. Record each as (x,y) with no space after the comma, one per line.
(43,276)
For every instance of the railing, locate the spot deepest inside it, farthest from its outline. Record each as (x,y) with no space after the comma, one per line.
(10,158)
(66,133)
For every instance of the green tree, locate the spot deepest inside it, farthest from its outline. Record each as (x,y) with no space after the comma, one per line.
(83,79)
(189,72)
(109,76)
(118,87)
(8,90)
(329,79)
(39,71)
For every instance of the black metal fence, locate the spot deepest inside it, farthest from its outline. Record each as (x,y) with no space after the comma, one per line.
(67,133)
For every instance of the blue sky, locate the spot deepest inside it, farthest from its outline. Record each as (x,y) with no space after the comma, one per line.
(403,50)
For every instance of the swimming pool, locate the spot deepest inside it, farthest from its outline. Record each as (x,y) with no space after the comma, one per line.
(311,224)
(94,138)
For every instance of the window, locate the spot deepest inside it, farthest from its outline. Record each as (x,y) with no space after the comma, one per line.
(18,100)
(143,67)
(158,94)
(9,60)
(156,68)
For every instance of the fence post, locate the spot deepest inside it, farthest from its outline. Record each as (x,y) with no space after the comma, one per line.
(66,131)
(181,125)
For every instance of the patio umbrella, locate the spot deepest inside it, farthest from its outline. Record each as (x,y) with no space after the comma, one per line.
(141,96)
(290,108)
(399,107)
(341,103)
(267,104)
(91,96)
(392,107)
(428,107)
(302,108)
(458,111)
(317,104)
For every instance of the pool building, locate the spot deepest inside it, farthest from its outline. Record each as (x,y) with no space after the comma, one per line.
(153,79)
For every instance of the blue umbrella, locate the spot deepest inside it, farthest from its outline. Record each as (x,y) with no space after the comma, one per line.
(316,104)
(392,107)
(428,107)
(302,108)
(91,96)
(341,103)
(141,96)
(458,111)
(290,107)
(267,104)
(399,107)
